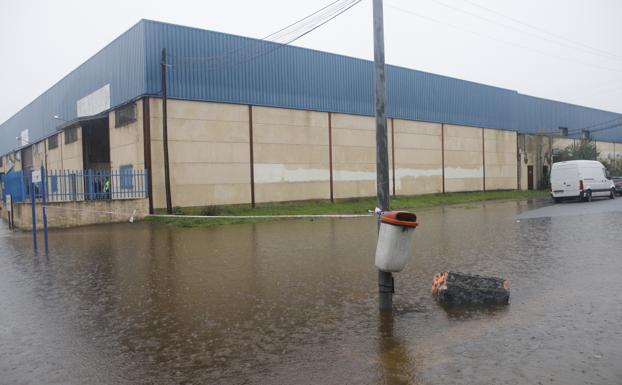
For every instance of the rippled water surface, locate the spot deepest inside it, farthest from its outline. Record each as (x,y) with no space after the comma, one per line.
(294,302)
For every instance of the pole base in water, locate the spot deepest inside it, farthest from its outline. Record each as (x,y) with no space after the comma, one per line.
(386,288)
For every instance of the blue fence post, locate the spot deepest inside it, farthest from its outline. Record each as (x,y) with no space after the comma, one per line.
(91,184)
(44,182)
(73,187)
(21,185)
(34,213)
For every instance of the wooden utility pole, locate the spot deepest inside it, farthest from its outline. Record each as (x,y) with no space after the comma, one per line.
(385,279)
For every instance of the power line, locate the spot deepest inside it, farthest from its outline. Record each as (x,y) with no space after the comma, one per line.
(571,60)
(298,21)
(280,38)
(537,35)
(575,131)
(542,30)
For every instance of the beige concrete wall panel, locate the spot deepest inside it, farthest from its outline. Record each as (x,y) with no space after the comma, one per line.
(130,154)
(353,155)
(202,173)
(284,116)
(126,142)
(497,171)
(493,146)
(420,185)
(414,127)
(503,158)
(159,197)
(204,111)
(284,134)
(208,152)
(351,137)
(340,171)
(275,192)
(267,173)
(205,131)
(427,142)
(463,158)
(417,156)
(72,152)
(210,194)
(354,189)
(458,184)
(453,131)
(354,122)
(54,159)
(282,153)
(501,183)
(463,144)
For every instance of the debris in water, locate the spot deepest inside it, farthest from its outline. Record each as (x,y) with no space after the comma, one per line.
(452,288)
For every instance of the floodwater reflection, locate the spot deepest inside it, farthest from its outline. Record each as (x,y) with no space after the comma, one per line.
(295,302)
(394,357)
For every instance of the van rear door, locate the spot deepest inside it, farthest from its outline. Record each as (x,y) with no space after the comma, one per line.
(565,180)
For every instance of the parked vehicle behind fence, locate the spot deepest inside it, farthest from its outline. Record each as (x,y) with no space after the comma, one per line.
(580,179)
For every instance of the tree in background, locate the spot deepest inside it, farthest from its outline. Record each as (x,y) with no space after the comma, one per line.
(586,150)
(582,150)
(613,165)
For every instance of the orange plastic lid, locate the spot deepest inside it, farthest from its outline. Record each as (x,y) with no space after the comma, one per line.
(399,218)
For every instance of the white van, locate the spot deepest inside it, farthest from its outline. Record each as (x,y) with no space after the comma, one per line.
(581,179)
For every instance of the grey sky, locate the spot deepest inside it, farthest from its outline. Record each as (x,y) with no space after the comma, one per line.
(574,54)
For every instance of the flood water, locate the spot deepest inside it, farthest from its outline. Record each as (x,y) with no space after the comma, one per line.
(295,302)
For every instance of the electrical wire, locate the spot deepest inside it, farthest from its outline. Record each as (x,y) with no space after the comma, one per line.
(571,60)
(537,35)
(608,125)
(274,41)
(542,30)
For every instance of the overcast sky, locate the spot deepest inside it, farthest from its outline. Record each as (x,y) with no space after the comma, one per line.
(567,50)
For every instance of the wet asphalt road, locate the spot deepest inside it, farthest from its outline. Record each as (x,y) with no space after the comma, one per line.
(295,302)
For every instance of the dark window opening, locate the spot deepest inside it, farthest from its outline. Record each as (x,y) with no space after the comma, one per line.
(125,115)
(71,135)
(53,142)
(563,131)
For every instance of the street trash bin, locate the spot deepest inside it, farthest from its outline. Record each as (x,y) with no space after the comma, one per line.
(395,240)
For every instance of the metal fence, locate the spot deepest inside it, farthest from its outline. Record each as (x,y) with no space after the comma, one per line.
(77,185)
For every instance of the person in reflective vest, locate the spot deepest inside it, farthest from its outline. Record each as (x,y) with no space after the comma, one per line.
(107,187)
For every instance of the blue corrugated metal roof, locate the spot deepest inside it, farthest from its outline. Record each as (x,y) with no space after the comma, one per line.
(120,64)
(214,66)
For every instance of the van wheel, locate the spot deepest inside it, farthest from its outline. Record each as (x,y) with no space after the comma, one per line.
(612,194)
(557,200)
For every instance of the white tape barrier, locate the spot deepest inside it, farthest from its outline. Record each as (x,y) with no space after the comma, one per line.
(310,216)
(132,215)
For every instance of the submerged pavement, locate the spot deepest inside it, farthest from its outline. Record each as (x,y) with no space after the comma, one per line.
(295,302)
(575,208)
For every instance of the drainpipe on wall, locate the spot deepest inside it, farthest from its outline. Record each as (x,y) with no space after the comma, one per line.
(251,154)
(147,150)
(167,179)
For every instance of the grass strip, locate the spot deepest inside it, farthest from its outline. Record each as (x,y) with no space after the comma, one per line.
(341,206)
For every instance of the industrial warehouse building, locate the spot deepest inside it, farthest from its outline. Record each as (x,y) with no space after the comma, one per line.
(254,121)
